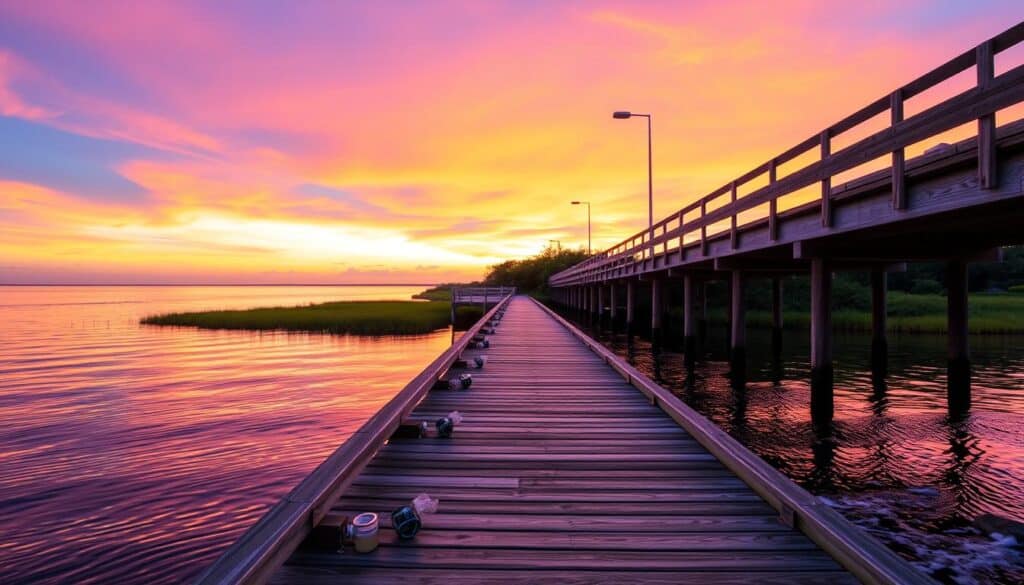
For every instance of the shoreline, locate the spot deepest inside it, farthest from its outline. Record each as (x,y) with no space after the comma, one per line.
(426,312)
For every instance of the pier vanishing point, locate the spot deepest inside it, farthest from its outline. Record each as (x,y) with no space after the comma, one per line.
(573,467)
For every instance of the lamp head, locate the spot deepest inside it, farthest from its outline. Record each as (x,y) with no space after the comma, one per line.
(575,202)
(621,115)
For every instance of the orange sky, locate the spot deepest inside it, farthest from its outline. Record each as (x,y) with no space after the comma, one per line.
(329,142)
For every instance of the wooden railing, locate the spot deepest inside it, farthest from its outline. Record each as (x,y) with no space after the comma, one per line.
(990,94)
(268,543)
(477,294)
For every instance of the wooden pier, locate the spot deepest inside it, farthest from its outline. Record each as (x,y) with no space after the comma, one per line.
(569,467)
(822,207)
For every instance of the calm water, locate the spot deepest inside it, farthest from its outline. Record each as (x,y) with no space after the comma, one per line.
(894,462)
(136,454)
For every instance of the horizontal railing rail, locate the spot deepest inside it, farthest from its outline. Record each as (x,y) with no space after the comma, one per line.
(475,293)
(268,543)
(990,94)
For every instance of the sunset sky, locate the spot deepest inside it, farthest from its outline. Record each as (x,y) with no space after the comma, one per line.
(388,142)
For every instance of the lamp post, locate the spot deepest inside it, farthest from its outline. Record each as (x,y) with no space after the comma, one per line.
(557,243)
(587,203)
(650,175)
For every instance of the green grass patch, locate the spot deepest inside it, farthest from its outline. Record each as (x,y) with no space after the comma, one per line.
(910,313)
(438,293)
(353,317)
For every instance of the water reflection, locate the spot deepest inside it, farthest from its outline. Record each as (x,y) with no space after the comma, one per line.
(895,459)
(131,454)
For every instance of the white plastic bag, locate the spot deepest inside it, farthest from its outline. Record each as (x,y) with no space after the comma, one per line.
(424,504)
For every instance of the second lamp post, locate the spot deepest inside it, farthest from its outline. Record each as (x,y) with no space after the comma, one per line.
(587,203)
(650,177)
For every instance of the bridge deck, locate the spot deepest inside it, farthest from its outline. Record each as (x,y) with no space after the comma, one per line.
(562,471)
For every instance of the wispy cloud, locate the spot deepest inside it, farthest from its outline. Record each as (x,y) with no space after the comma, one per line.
(186,139)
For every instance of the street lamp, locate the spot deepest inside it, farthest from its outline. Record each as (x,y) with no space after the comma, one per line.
(557,243)
(650,178)
(587,203)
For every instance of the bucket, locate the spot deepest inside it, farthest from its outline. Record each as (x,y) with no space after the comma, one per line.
(365,536)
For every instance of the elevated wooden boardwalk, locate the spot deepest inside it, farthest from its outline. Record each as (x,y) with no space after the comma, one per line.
(563,471)
(852,196)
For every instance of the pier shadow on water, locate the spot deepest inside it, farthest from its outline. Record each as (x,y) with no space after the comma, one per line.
(894,460)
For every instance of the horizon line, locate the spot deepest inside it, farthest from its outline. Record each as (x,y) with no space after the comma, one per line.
(228,284)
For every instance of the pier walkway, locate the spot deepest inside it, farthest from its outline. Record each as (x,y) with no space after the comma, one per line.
(563,471)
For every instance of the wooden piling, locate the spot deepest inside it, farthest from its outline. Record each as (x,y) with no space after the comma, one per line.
(958,381)
(689,323)
(822,406)
(702,316)
(657,309)
(879,344)
(613,300)
(630,307)
(777,318)
(737,328)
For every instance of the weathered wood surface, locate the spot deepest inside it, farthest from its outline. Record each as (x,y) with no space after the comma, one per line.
(561,471)
(265,545)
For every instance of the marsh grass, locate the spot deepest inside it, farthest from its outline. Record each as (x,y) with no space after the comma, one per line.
(353,317)
(437,293)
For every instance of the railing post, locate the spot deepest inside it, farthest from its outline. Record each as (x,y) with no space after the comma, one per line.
(703,229)
(773,205)
(682,233)
(899,176)
(826,183)
(987,171)
(732,220)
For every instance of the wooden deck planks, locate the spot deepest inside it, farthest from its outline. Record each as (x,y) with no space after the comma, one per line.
(561,471)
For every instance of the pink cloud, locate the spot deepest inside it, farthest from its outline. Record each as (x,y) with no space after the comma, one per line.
(485,116)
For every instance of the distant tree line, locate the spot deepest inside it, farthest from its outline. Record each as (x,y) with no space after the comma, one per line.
(531,274)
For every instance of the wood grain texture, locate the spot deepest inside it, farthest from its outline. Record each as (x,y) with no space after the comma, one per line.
(561,471)
(262,548)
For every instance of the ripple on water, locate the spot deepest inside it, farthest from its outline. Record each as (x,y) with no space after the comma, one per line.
(137,454)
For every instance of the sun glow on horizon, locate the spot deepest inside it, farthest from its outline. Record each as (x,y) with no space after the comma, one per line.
(393,143)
